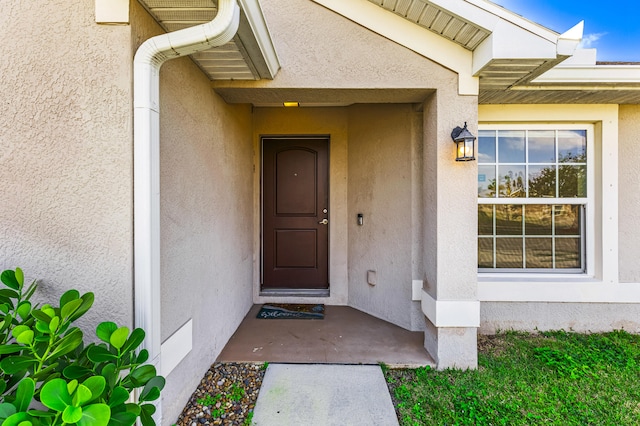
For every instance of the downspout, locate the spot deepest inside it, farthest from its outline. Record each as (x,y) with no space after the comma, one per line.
(146,155)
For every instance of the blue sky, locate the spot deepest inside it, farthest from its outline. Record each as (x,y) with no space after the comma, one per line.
(612,27)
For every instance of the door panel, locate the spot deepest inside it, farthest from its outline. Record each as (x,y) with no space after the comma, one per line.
(296,182)
(295,206)
(296,248)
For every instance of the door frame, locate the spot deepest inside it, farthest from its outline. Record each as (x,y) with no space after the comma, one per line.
(323,293)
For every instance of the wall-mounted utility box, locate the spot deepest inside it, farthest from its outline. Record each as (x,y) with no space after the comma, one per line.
(114,12)
(372,277)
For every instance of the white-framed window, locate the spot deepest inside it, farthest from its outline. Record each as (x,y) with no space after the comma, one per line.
(535,197)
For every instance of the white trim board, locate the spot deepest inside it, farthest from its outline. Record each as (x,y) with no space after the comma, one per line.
(416,290)
(559,291)
(176,348)
(451,313)
(112,12)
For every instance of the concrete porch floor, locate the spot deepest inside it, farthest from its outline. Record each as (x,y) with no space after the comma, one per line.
(344,336)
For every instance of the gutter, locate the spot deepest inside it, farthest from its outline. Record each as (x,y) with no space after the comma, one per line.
(146,154)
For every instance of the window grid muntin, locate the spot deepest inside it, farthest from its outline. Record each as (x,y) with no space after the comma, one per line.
(556,164)
(584,212)
(524,236)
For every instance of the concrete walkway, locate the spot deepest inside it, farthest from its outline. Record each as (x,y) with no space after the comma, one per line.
(324,395)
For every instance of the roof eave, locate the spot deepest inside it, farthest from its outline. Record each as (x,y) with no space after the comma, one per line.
(594,75)
(501,62)
(251,54)
(257,40)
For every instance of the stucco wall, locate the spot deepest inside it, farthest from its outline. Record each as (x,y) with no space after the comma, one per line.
(65,157)
(450,213)
(321,52)
(629,196)
(381,140)
(579,317)
(206,213)
(206,161)
(450,199)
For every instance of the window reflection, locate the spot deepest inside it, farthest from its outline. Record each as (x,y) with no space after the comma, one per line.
(487,146)
(542,181)
(572,181)
(532,236)
(508,219)
(511,146)
(486,181)
(509,253)
(539,220)
(572,146)
(539,252)
(568,253)
(539,166)
(512,181)
(567,220)
(485,253)
(542,146)
(485,219)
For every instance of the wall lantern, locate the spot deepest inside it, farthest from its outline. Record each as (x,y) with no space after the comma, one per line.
(464,141)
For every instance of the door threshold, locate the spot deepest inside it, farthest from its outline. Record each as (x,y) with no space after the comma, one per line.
(294,292)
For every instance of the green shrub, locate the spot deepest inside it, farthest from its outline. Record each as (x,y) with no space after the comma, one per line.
(48,376)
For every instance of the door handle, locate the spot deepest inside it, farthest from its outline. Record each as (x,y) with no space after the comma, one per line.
(323,222)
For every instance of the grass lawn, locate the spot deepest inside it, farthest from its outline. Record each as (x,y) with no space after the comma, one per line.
(546,378)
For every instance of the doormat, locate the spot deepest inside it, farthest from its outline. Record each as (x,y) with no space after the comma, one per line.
(290,311)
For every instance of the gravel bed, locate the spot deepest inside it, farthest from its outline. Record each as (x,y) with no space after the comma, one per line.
(226,395)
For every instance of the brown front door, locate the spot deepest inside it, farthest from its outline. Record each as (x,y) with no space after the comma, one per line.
(295,214)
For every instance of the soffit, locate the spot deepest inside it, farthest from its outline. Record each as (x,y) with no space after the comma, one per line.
(559,95)
(580,80)
(434,18)
(232,61)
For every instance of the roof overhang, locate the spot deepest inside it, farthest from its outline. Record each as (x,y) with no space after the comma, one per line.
(493,35)
(498,55)
(514,59)
(580,79)
(249,56)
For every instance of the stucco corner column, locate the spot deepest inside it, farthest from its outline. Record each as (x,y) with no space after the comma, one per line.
(451,335)
(449,297)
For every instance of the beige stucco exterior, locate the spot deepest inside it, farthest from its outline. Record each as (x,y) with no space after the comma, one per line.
(382,159)
(65,157)
(66,166)
(628,172)
(578,317)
